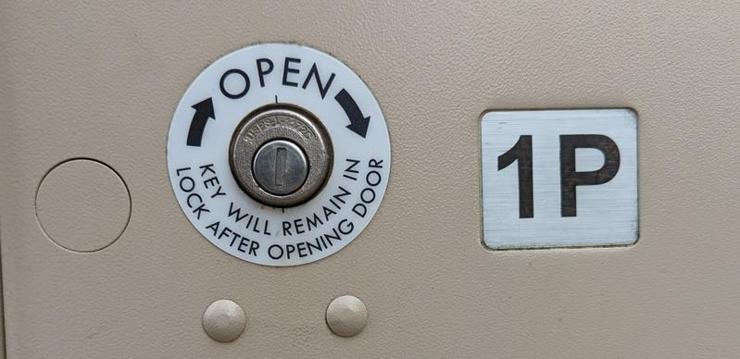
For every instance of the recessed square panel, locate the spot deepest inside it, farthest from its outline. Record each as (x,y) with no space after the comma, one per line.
(559,178)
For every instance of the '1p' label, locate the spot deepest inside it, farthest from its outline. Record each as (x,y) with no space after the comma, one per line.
(559,178)
(213,189)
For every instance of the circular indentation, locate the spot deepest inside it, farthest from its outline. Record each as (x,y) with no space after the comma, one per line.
(83,205)
(280,167)
(346,316)
(224,321)
(291,125)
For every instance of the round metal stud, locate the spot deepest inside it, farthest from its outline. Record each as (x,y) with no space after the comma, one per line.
(346,316)
(273,176)
(224,321)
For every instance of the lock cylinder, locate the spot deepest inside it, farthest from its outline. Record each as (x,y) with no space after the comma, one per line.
(281,155)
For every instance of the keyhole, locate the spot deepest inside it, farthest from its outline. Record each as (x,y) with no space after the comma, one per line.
(281,168)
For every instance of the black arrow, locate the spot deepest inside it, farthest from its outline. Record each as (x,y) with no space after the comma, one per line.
(203,111)
(357,121)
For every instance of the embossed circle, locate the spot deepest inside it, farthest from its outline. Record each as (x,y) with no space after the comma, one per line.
(83,205)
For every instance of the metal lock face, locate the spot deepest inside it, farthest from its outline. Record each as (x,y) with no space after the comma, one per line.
(280,167)
(281,155)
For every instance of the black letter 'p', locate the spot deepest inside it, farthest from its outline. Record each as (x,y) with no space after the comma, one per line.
(569,178)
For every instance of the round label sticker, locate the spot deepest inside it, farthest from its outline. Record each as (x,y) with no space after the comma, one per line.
(266,121)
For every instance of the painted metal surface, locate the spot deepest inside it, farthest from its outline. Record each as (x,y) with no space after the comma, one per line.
(102,80)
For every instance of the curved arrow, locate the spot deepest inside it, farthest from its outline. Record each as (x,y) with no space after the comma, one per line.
(358,123)
(203,111)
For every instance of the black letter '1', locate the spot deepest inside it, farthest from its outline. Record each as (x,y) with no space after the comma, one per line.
(522,153)
(569,178)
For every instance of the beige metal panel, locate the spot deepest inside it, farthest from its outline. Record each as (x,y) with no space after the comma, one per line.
(101,80)
(2,325)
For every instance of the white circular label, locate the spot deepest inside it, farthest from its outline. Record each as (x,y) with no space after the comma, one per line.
(202,129)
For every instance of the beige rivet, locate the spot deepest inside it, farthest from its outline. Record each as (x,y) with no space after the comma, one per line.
(346,316)
(224,321)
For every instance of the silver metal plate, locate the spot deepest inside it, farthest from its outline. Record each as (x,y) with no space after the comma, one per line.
(561,178)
